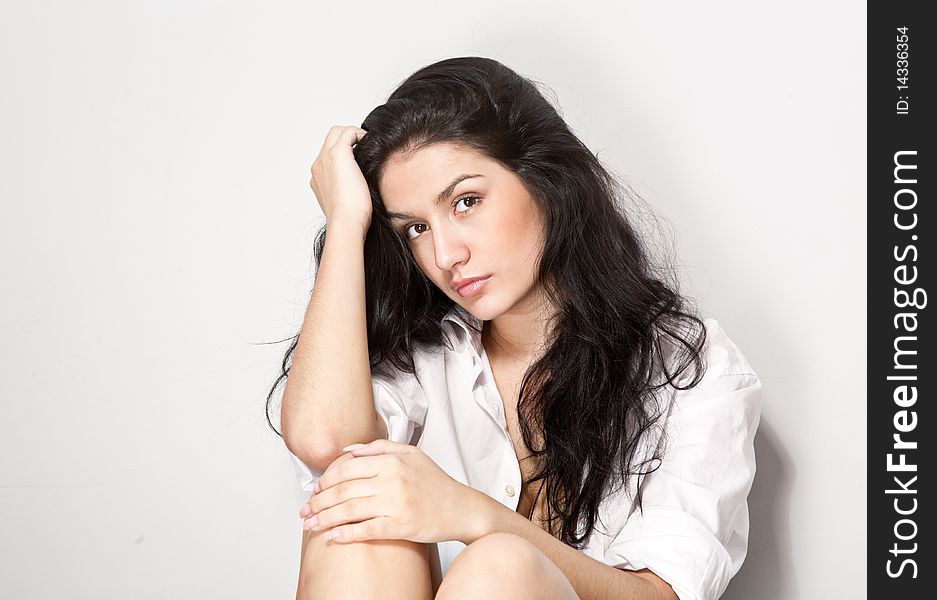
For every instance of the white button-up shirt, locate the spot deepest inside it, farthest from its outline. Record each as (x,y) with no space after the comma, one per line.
(694,529)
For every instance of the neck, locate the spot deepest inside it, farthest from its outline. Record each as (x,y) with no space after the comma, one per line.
(517,335)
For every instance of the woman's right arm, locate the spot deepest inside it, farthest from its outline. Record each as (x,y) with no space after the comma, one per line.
(328,399)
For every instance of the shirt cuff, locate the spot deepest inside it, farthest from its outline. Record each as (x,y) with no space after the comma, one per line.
(677,548)
(393,411)
(307,475)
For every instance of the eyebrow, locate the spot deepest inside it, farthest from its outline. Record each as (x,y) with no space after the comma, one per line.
(440,198)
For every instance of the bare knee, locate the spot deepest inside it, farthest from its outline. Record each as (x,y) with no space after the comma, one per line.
(496,564)
(504,551)
(393,569)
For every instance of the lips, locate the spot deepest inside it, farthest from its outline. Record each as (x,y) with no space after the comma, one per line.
(458,284)
(473,288)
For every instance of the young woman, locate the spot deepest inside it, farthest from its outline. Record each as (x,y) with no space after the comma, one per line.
(532,409)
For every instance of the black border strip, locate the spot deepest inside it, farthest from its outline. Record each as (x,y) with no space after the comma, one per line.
(901,365)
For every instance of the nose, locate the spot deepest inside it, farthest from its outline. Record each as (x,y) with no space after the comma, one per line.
(449,248)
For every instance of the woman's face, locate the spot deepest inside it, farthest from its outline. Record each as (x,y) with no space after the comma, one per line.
(465,216)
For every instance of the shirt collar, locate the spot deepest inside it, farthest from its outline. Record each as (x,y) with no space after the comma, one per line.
(461,319)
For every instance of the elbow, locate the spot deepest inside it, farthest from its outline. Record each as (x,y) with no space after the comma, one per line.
(318,447)
(314,450)
(317,451)
(315,457)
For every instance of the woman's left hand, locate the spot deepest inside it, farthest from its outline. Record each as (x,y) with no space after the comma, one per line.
(388,490)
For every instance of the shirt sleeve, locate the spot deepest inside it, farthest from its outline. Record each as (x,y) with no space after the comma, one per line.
(693,532)
(400,402)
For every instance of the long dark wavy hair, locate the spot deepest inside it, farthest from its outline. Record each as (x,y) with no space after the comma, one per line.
(590,396)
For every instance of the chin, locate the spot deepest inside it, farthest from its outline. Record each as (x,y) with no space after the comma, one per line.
(482,309)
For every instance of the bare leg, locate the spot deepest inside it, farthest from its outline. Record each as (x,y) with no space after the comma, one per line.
(391,569)
(503,565)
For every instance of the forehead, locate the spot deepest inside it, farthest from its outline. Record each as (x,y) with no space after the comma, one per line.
(417,178)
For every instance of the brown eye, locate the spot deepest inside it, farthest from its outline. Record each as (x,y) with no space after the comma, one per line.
(406,230)
(473,200)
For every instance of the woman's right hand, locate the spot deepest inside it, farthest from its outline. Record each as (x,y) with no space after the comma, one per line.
(337,180)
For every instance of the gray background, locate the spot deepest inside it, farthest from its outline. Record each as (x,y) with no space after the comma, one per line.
(157,228)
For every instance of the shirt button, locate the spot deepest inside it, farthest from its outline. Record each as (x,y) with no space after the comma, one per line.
(509,490)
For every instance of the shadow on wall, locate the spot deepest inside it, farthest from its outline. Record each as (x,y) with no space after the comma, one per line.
(767,573)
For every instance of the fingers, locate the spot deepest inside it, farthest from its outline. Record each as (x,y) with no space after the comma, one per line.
(304,509)
(346,503)
(342,135)
(333,134)
(333,476)
(363,467)
(351,510)
(338,135)
(351,136)
(343,492)
(347,137)
(379,528)
(381,446)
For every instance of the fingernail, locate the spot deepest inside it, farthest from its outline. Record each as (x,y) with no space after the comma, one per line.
(305,511)
(311,522)
(334,534)
(353,447)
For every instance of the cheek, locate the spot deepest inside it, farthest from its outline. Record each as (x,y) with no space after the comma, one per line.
(424,256)
(519,237)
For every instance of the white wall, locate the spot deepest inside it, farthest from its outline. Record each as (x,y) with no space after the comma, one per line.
(157,227)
